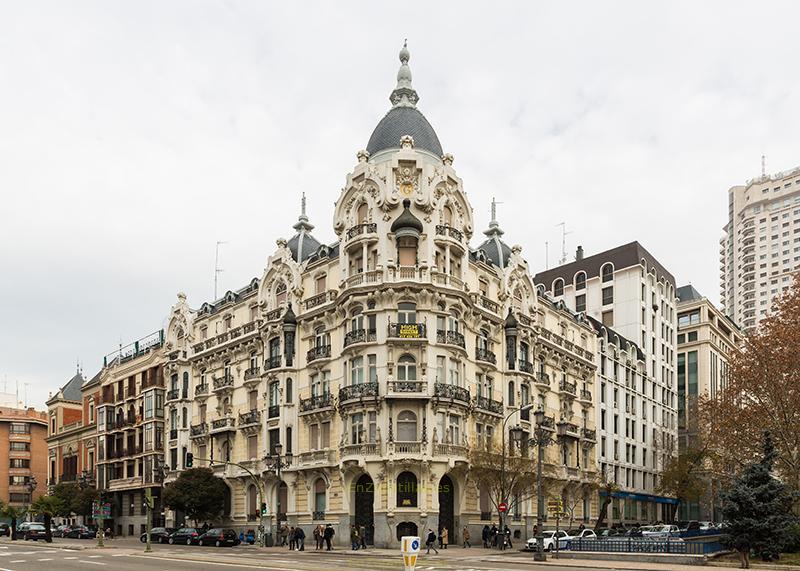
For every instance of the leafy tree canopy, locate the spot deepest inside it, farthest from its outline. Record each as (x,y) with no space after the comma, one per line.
(198,493)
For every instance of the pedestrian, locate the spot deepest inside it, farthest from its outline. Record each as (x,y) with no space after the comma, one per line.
(439,537)
(362,534)
(291,539)
(445,537)
(299,538)
(507,534)
(317,539)
(430,542)
(581,527)
(465,537)
(485,536)
(328,535)
(321,534)
(493,535)
(354,543)
(284,531)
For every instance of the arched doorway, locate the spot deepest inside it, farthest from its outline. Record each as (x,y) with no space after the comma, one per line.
(407,490)
(447,505)
(364,502)
(407,528)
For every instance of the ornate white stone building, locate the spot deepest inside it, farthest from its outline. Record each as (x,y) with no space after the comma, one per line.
(378,361)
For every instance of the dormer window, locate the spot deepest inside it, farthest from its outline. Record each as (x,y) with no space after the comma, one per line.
(280,294)
(558,287)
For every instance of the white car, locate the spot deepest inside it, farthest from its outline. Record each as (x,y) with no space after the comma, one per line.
(661,532)
(575,535)
(549,540)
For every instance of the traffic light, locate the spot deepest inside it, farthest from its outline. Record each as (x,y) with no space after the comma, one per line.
(149,502)
(189,460)
(263,508)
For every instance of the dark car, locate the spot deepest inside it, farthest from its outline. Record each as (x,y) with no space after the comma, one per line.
(78,532)
(5,529)
(219,537)
(187,535)
(157,535)
(34,531)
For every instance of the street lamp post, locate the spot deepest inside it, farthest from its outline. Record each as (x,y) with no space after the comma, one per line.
(276,463)
(541,439)
(516,436)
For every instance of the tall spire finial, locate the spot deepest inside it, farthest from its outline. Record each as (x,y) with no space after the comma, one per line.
(404,95)
(302,221)
(494,226)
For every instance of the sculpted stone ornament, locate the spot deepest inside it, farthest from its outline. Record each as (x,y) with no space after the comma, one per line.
(362,156)
(406,142)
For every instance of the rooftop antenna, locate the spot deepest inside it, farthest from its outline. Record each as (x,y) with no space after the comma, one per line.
(26,394)
(763,166)
(563,243)
(217,270)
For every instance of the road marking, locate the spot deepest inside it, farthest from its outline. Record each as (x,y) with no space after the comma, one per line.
(70,558)
(50,559)
(92,562)
(94,556)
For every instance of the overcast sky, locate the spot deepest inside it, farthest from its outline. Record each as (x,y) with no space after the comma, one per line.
(134,135)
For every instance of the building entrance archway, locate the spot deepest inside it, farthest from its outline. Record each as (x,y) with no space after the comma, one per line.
(364,502)
(447,502)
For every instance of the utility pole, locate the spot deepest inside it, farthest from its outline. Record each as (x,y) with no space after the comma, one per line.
(217,270)
(148,503)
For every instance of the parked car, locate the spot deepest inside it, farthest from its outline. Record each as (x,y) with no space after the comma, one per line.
(34,531)
(549,540)
(5,529)
(218,537)
(158,535)
(187,535)
(661,532)
(78,532)
(575,534)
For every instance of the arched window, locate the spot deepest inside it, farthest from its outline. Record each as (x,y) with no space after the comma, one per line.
(280,294)
(407,490)
(407,368)
(407,251)
(511,393)
(185,418)
(356,319)
(580,280)
(321,337)
(185,385)
(607,272)
(448,216)
(558,287)
(406,312)
(452,321)
(406,426)
(524,395)
(319,498)
(252,501)
(288,392)
(362,214)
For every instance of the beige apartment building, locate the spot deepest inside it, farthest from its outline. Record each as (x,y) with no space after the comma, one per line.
(130,432)
(377,362)
(706,340)
(761,247)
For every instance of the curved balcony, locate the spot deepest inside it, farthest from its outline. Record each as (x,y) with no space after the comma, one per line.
(585,396)
(224,383)
(444,234)
(525,367)
(405,447)
(485,355)
(444,279)
(360,336)
(588,434)
(489,405)
(252,376)
(407,389)
(173,394)
(359,392)
(407,331)
(201,391)
(318,352)
(451,338)
(542,378)
(486,303)
(272,362)
(250,420)
(198,430)
(568,429)
(356,451)
(450,450)
(367,230)
(316,403)
(222,425)
(319,300)
(568,388)
(364,278)
(453,393)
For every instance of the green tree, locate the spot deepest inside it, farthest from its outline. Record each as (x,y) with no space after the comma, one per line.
(758,509)
(82,501)
(683,476)
(65,493)
(14,513)
(198,493)
(47,507)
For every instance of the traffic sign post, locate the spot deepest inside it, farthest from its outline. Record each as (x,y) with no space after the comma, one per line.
(503,507)
(409,547)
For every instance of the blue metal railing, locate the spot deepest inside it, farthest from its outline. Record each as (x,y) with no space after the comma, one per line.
(641,545)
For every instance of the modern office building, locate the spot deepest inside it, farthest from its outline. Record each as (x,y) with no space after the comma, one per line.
(130,431)
(761,247)
(706,340)
(631,300)
(23,476)
(372,366)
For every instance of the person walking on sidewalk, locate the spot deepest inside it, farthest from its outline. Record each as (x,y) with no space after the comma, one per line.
(507,534)
(317,537)
(485,536)
(328,536)
(291,539)
(465,537)
(362,535)
(299,539)
(445,537)
(353,537)
(430,542)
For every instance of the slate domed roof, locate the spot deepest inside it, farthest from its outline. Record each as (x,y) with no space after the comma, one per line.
(404,118)
(400,121)
(303,244)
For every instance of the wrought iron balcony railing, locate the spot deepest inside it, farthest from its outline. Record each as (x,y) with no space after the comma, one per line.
(357,391)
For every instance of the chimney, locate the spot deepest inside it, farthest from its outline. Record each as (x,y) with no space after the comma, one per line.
(579,254)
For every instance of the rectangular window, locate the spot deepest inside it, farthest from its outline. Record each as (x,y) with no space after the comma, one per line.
(580,303)
(19,463)
(20,428)
(372,363)
(148,406)
(608,318)
(608,295)
(356,370)
(20,446)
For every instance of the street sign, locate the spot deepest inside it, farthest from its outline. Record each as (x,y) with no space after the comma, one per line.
(409,547)
(503,507)
(101,511)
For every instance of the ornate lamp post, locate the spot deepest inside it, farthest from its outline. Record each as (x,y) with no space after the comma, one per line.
(275,462)
(540,440)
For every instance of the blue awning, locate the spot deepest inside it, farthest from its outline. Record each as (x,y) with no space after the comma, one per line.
(642,497)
